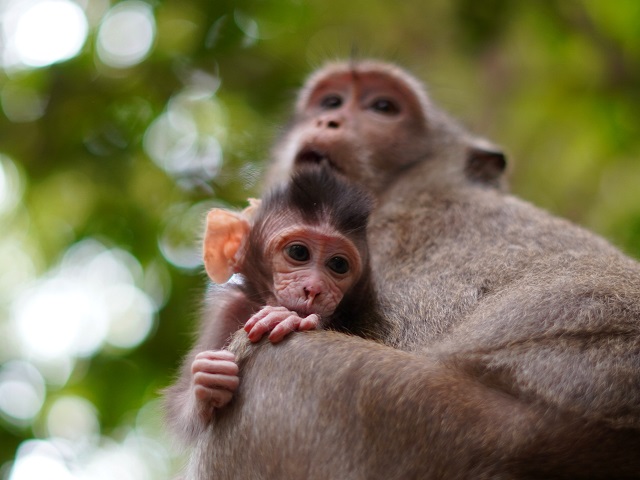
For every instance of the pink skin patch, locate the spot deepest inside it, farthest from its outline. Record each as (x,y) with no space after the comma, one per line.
(307,290)
(308,285)
(215,379)
(308,282)
(280,322)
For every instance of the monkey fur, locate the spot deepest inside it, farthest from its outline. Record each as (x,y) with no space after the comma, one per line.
(512,341)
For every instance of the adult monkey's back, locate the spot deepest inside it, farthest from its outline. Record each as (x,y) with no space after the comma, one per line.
(513,337)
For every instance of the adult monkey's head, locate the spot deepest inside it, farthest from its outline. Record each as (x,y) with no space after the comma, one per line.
(371,121)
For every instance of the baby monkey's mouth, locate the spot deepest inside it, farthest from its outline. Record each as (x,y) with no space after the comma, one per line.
(306,308)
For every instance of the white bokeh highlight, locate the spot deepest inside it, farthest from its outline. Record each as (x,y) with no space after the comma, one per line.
(11,185)
(37,33)
(22,392)
(127,34)
(73,418)
(40,459)
(141,453)
(186,139)
(180,240)
(90,300)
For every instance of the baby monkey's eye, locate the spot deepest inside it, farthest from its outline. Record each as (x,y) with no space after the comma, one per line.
(386,106)
(298,252)
(331,101)
(339,265)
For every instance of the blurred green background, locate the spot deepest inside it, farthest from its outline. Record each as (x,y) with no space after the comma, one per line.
(123,122)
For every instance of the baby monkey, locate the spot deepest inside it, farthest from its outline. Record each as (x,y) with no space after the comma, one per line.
(298,252)
(301,262)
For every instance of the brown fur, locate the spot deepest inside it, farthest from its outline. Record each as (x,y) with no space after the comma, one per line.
(514,346)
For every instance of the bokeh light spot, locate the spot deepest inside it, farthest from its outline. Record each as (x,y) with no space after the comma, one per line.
(48,31)
(10,185)
(186,140)
(132,316)
(248,26)
(178,241)
(40,459)
(60,317)
(126,34)
(22,392)
(21,104)
(89,299)
(18,265)
(73,418)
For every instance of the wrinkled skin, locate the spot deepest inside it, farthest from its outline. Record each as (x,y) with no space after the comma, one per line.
(310,286)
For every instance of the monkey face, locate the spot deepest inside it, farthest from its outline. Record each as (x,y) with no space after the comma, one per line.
(365,120)
(313,268)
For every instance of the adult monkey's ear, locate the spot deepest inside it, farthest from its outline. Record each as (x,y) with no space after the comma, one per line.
(225,234)
(485,163)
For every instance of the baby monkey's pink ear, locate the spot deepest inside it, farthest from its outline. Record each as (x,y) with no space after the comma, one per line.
(225,233)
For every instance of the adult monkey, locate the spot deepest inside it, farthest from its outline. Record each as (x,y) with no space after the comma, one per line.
(514,349)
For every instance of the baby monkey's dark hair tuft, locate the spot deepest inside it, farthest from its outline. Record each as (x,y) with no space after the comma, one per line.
(319,195)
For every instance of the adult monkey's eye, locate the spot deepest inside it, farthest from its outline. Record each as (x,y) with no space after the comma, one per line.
(331,101)
(298,252)
(386,106)
(339,265)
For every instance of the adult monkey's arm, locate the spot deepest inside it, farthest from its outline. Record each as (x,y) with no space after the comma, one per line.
(324,405)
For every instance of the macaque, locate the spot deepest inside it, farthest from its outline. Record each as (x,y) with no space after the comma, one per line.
(511,346)
(302,262)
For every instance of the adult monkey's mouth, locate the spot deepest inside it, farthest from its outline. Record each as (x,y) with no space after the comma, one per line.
(310,155)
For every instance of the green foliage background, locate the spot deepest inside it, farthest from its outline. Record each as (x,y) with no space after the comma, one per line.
(555,82)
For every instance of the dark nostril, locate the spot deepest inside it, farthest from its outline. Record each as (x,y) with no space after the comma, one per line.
(322,123)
